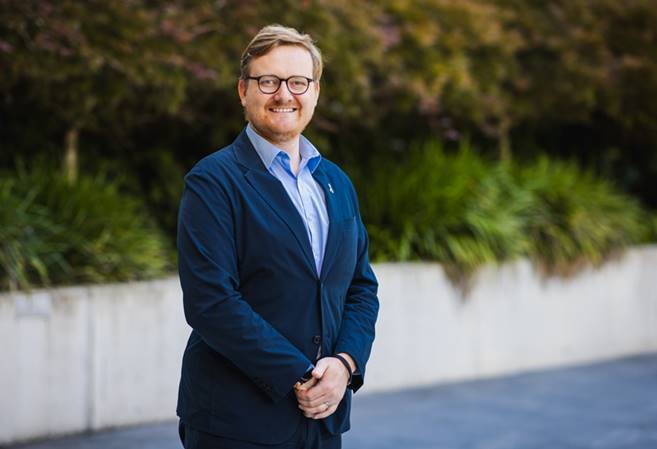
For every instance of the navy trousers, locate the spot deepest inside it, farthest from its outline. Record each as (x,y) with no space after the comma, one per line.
(307,436)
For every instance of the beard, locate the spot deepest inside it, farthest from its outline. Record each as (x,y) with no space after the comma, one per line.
(273,134)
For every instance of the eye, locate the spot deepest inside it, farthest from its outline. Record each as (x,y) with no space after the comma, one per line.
(268,82)
(299,82)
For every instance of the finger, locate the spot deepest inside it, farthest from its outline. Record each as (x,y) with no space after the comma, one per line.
(325,390)
(313,402)
(319,370)
(314,393)
(327,413)
(311,412)
(316,406)
(306,385)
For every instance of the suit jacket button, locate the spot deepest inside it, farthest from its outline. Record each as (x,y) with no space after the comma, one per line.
(317,339)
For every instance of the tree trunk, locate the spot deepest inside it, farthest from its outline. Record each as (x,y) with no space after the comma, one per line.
(71,155)
(505,145)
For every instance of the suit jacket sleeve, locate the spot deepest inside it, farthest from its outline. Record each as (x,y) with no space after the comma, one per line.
(356,333)
(214,307)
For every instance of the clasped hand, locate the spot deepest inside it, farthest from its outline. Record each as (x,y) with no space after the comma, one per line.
(320,396)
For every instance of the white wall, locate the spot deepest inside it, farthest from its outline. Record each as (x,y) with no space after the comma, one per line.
(86,358)
(512,320)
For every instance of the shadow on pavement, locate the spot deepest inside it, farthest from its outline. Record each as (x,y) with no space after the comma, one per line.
(609,405)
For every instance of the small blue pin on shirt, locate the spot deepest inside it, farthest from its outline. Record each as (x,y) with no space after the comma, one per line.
(330,188)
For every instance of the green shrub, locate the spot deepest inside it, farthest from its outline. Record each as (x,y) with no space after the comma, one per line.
(28,250)
(456,209)
(651,234)
(464,211)
(575,217)
(56,233)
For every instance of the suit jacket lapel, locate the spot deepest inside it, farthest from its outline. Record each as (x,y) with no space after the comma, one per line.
(333,239)
(272,191)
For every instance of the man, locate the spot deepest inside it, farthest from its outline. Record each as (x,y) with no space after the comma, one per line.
(274,269)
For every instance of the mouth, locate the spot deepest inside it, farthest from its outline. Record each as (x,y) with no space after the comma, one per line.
(282,110)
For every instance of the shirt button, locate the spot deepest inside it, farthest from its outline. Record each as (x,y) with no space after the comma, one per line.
(317,339)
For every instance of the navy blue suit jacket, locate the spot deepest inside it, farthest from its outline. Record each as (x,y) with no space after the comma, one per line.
(258,309)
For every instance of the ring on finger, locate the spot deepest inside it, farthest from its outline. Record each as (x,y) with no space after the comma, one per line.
(326,405)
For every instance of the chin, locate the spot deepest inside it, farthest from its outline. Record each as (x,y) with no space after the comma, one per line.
(279,135)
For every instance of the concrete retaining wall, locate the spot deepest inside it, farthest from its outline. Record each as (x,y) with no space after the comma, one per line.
(86,358)
(513,320)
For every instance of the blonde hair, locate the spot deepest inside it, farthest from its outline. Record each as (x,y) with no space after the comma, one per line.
(276,35)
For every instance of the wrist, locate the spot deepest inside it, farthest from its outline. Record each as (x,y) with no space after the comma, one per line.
(347,366)
(350,360)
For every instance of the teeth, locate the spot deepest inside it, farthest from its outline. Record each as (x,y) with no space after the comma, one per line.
(283,109)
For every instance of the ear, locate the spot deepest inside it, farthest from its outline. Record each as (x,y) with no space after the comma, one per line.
(317,89)
(241,90)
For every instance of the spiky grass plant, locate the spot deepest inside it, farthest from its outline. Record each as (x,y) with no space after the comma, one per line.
(576,218)
(465,211)
(57,233)
(457,209)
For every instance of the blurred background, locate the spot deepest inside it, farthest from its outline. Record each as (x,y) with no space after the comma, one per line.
(476,132)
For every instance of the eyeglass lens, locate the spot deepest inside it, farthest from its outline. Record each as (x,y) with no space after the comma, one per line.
(270,84)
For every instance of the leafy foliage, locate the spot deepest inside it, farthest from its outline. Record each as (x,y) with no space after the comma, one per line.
(577,218)
(465,211)
(28,250)
(147,88)
(447,208)
(53,232)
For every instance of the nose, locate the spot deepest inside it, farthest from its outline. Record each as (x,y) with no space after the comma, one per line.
(283,92)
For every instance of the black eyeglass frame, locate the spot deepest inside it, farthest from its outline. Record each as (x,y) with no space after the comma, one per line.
(280,83)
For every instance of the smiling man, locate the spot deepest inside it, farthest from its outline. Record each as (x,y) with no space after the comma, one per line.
(273,263)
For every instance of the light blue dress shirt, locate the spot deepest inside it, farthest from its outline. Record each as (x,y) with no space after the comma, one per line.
(304,192)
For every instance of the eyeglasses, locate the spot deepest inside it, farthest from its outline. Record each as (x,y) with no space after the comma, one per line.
(269,84)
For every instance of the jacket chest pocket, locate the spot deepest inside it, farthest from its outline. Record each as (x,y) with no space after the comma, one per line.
(346,254)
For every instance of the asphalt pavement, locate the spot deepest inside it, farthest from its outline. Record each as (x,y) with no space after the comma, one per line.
(609,405)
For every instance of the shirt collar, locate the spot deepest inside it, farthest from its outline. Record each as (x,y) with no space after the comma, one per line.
(268,151)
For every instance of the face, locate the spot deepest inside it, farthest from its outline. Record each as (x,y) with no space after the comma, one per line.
(279,117)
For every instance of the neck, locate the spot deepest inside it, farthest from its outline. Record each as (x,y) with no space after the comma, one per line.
(292,150)
(290,146)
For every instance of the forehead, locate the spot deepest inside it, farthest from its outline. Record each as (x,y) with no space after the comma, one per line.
(284,61)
